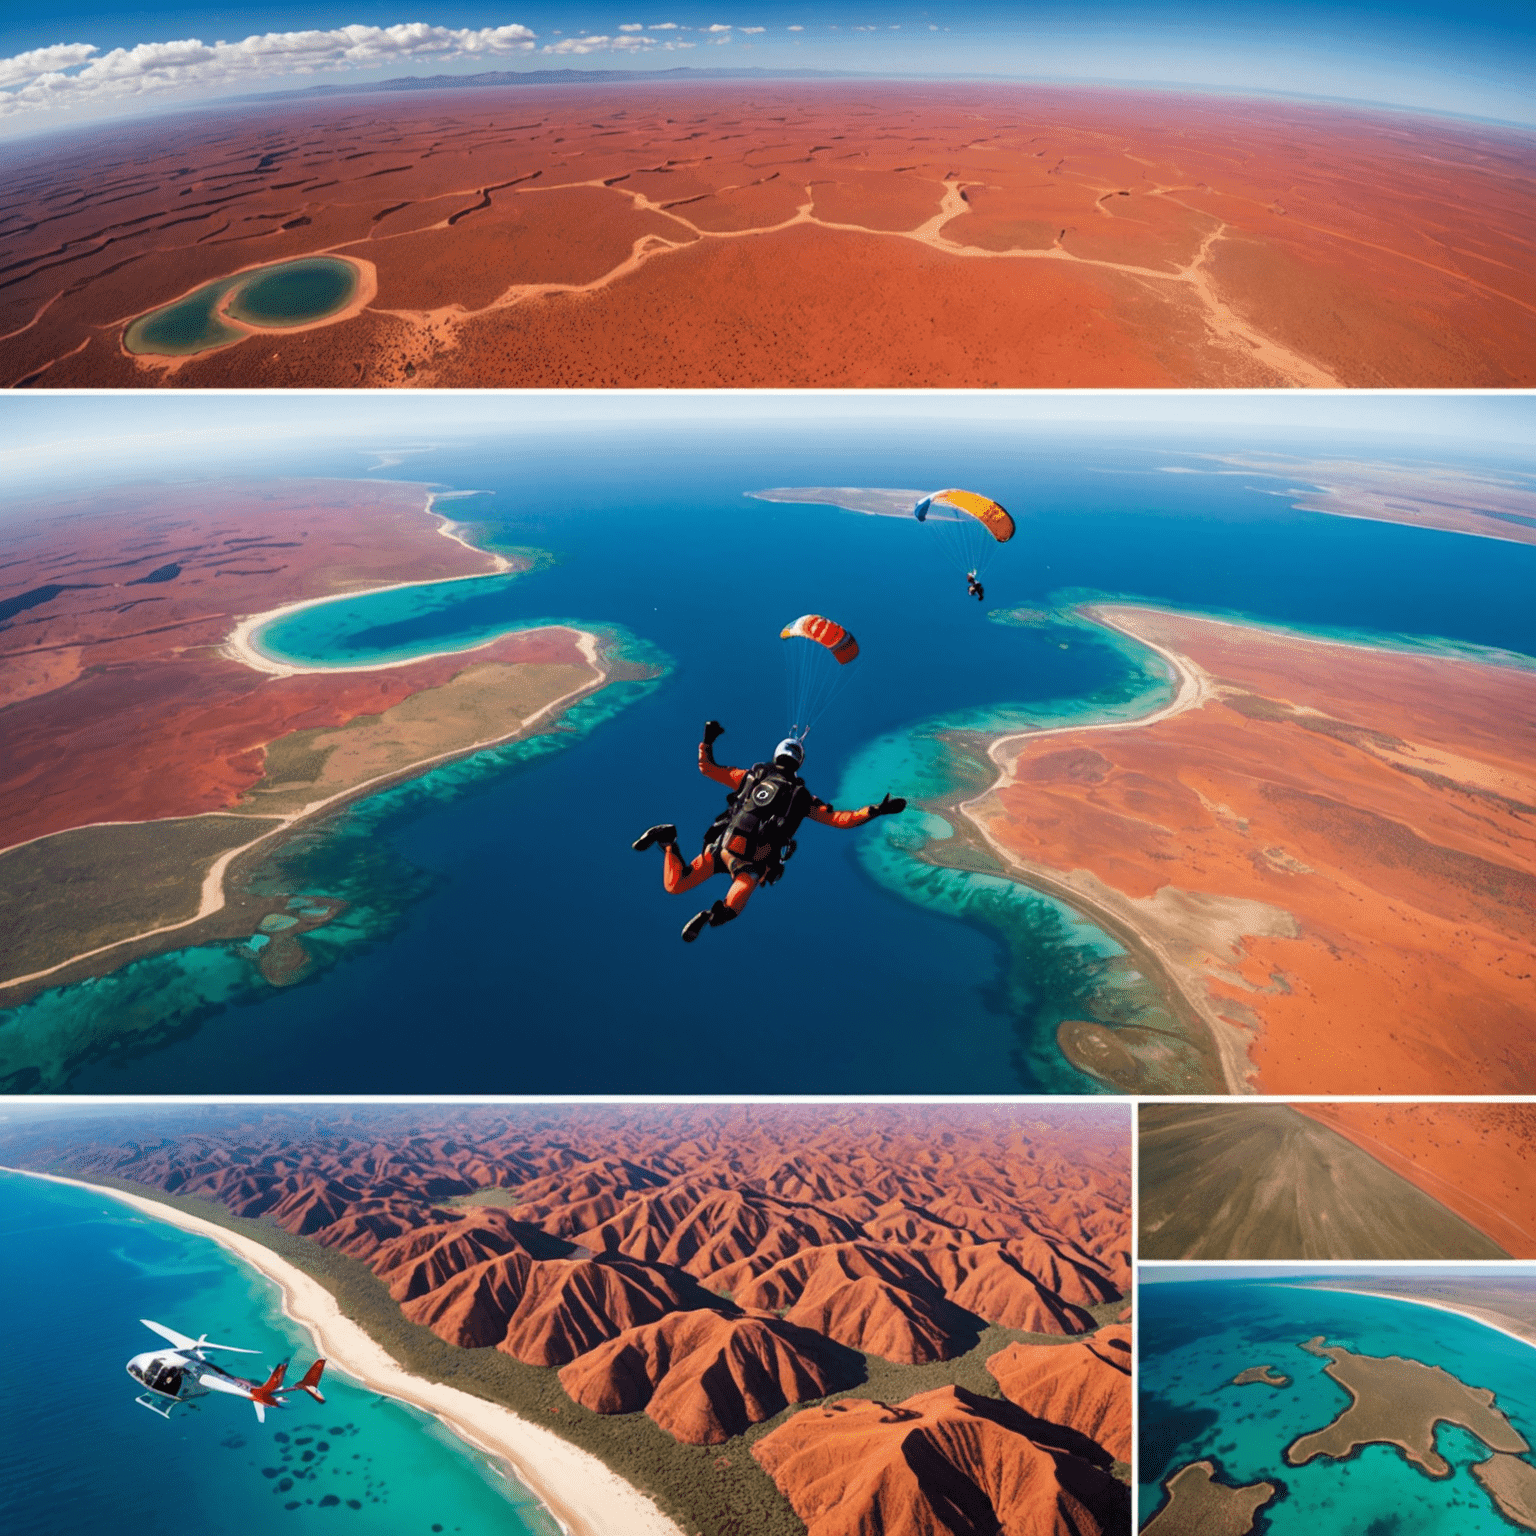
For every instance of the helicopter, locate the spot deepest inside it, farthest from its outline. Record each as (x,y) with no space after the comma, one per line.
(173,1377)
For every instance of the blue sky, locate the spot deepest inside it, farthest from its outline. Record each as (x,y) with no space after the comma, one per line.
(1477,59)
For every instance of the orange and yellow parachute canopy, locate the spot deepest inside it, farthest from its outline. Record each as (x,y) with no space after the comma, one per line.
(987,512)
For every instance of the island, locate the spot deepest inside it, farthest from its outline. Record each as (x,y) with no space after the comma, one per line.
(1399,1402)
(1199,1505)
(753,1315)
(1301,830)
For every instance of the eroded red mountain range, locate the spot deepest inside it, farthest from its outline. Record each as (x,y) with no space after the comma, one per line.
(713,1267)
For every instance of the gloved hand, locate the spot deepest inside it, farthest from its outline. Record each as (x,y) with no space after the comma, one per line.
(713,731)
(890,806)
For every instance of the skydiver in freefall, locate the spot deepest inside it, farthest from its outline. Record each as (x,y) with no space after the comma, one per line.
(753,836)
(974,587)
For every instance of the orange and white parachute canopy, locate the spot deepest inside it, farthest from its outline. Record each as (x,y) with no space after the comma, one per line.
(969,526)
(827,632)
(815,667)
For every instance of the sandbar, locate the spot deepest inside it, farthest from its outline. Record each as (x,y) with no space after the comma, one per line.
(583,1494)
(1266,1374)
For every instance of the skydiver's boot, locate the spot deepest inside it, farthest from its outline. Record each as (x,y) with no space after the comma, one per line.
(714,918)
(663,834)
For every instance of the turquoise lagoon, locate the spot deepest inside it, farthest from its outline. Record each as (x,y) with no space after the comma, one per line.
(500,893)
(77,1453)
(1194,1338)
(285,294)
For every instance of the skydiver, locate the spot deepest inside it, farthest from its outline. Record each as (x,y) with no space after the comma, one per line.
(755,833)
(974,587)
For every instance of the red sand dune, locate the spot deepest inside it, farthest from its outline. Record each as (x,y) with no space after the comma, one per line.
(1475,1158)
(702,1376)
(1081,1386)
(542,1277)
(1331,857)
(763,234)
(138,716)
(941,1463)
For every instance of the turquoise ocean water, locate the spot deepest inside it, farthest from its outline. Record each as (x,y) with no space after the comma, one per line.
(1194,1338)
(496,895)
(77,1454)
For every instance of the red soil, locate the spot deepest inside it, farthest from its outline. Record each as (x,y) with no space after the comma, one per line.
(1333,856)
(1475,1158)
(139,716)
(1370,248)
(654,1325)
(1081,1386)
(702,1376)
(941,1463)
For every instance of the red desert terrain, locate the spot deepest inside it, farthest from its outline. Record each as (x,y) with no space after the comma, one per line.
(120,703)
(805,234)
(1475,1158)
(1325,849)
(714,1267)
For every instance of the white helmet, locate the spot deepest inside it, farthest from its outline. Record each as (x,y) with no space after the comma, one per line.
(789,753)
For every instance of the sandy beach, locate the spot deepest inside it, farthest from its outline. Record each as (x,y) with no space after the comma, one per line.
(1476,1314)
(242,646)
(580,1491)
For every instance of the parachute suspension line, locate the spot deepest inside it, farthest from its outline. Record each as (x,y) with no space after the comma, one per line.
(967,527)
(816,660)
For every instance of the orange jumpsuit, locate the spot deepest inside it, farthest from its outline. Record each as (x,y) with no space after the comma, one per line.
(746,867)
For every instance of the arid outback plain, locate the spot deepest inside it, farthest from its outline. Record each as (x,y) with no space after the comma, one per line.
(771,1319)
(1337,1181)
(147,755)
(1323,849)
(831,234)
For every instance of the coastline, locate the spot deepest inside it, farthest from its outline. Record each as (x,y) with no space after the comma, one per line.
(213,900)
(583,1494)
(1487,1319)
(1193,689)
(1121,915)
(241,645)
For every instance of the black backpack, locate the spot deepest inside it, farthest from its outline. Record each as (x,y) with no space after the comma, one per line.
(767,809)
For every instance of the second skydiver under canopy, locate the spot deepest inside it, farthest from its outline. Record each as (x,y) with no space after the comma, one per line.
(755,833)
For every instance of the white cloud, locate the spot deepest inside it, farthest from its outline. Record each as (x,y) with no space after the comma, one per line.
(795,29)
(43,61)
(663,26)
(190,63)
(631,26)
(717,28)
(624,44)
(754,30)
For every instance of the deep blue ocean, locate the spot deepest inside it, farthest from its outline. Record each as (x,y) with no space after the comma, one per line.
(1194,1338)
(502,936)
(78,1455)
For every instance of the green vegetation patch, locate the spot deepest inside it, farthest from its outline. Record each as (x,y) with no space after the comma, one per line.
(79,890)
